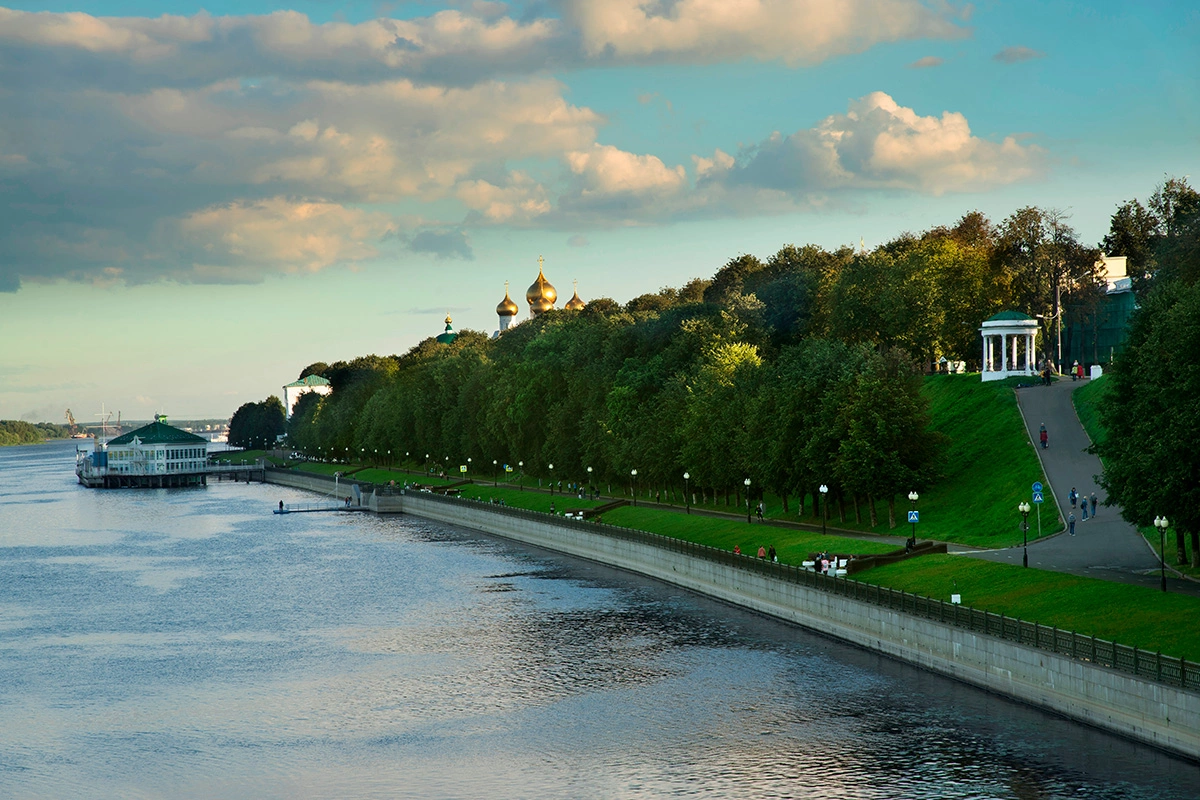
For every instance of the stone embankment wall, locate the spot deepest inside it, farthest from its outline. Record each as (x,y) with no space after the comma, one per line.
(1144,710)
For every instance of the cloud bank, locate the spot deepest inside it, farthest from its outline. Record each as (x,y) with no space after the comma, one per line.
(229,149)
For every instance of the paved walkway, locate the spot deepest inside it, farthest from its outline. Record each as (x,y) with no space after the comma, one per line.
(1104,546)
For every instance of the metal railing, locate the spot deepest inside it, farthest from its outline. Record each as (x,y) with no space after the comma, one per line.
(1146,664)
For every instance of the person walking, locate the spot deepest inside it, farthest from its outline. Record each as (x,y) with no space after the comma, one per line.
(771,554)
(1044,437)
(1083,505)
(762,552)
(759,511)
(1073,496)
(1093,504)
(1071,523)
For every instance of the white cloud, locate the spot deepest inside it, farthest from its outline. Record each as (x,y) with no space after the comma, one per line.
(879,144)
(242,241)
(456,46)
(605,170)
(520,200)
(173,50)
(710,31)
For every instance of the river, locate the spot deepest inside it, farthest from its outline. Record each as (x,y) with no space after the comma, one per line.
(187,643)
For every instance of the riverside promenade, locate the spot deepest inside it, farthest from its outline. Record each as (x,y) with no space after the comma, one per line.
(1104,546)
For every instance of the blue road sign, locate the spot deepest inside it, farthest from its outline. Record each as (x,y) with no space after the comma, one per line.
(914,516)
(1037,497)
(1037,486)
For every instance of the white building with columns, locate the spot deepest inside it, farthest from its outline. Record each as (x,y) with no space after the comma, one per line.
(1009,345)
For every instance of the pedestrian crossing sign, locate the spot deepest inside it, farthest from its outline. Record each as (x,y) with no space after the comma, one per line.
(1037,497)
(913,516)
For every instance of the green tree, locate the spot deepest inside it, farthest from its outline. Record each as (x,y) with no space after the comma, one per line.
(1047,268)
(256,425)
(885,444)
(1150,456)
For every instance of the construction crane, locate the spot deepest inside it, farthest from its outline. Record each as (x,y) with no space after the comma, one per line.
(71,421)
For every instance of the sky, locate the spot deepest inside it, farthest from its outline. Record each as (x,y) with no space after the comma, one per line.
(199,200)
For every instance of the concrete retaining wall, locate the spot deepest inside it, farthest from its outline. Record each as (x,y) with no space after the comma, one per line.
(313,483)
(1150,712)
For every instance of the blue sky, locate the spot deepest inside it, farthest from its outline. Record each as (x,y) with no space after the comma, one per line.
(202,199)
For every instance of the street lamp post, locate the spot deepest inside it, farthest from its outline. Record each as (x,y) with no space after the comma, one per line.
(633,485)
(747,482)
(912,540)
(495,473)
(687,498)
(589,480)
(1161,523)
(521,480)
(1024,509)
(552,479)
(824,506)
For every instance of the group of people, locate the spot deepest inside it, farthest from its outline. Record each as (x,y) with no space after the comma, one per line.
(1075,498)
(764,553)
(1077,373)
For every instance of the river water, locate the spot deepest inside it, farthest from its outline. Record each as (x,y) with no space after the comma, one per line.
(188,643)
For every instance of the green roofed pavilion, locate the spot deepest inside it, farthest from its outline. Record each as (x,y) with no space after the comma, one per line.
(1009,346)
(158,433)
(1008,316)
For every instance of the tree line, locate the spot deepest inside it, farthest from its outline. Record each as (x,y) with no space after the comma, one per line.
(15,431)
(796,370)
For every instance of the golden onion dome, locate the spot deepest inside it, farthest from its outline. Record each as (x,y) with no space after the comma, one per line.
(541,296)
(507,308)
(575,304)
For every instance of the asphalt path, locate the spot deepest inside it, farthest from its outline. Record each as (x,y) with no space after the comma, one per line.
(1104,546)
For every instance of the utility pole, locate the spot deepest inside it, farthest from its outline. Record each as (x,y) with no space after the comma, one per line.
(1058,318)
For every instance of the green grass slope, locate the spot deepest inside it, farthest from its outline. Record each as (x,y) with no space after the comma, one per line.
(1087,405)
(1169,622)
(990,463)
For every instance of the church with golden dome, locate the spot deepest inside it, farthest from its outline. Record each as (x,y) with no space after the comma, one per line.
(541,297)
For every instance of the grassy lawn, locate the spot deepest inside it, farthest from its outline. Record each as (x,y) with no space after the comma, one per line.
(1131,615)
(792,546)
(1087,400)
(321,468)
(532,500)
(400,476)
(990,463)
